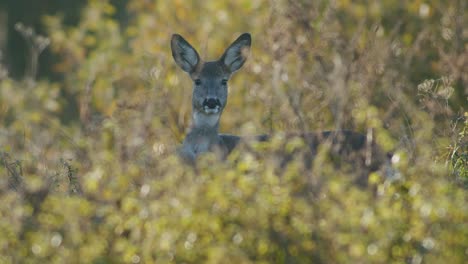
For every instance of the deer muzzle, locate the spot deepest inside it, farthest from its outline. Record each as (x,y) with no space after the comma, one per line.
(211,105)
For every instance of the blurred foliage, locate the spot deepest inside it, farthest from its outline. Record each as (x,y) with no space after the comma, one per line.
(88,173)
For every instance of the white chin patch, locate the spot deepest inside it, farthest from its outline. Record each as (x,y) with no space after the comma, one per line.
(205,120)
(211,111)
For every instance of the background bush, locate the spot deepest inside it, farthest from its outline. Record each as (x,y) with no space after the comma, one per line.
(89,173)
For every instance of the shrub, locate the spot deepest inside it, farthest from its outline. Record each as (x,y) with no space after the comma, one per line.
(89,174)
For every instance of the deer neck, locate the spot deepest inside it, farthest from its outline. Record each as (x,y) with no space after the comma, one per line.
(203,135)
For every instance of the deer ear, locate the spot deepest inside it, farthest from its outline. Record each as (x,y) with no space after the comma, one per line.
(184,54)
(235,56)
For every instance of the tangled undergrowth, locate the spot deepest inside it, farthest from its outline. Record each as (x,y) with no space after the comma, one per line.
(88,172)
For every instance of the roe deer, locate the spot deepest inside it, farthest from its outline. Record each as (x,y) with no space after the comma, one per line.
(210,96)
(209,93)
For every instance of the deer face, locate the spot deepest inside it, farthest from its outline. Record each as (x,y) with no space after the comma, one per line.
(210,88)
(210,78)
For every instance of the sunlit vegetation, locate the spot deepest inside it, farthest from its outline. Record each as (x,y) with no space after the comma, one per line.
(89,172)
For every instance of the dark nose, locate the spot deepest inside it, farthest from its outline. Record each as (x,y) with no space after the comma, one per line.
(211,103)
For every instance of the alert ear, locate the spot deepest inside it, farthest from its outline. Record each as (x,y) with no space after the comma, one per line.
(235,56)
(184,54)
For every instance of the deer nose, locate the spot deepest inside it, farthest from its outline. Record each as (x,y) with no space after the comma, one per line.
(211,103)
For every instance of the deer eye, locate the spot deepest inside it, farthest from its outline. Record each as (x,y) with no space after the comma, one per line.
(224,82)
(197,82)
